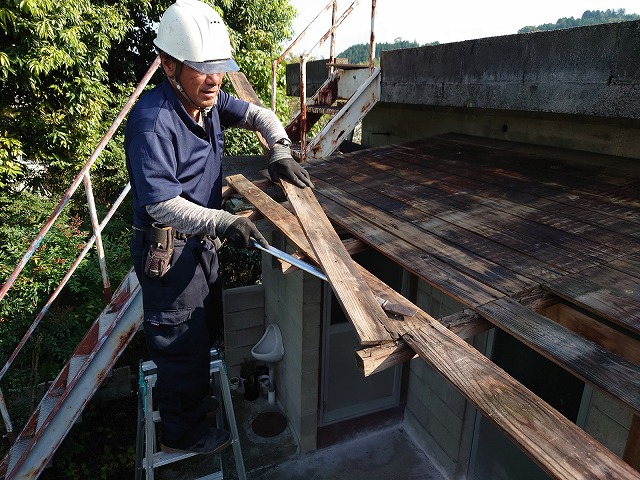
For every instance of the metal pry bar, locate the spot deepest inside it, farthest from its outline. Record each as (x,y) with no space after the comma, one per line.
(394,308)
(296,262)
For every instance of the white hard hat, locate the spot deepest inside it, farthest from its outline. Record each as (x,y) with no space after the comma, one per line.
(193,33)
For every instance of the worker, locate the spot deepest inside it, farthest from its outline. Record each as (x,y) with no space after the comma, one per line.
(174,144)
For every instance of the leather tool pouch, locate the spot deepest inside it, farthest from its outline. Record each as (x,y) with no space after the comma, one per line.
(160,251)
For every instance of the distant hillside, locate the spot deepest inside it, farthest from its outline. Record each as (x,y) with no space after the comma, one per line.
(360,53)
(590,17)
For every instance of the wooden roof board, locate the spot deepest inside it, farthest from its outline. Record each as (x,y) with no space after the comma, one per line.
(560,447)
(438,273)
(453,221)
(434,185)
(468,189)
(513,183)
(423,241)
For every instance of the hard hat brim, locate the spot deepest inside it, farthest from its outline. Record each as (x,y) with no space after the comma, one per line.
(214,66)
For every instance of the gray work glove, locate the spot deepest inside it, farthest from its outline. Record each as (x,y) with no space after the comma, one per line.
(282,165)
(238,234)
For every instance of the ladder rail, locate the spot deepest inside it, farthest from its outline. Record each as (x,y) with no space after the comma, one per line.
(42,443)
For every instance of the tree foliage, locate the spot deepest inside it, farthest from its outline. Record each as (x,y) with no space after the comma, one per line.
(589,17)
(54,86)
(359,54)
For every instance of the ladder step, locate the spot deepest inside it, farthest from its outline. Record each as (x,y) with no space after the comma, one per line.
(323,109)
(46,407)
(149,459)
(16,452)
(75,363)
(164,458)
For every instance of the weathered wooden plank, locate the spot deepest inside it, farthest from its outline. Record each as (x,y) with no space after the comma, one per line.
(380,357)
(584,359)
(477,267)
(557,445)
(372,360)
(353,294)
(466,323)
(615,170)
(593,173)
(245,91)
(438,273)
(534,182)
(495,207)
(290,226)
(632,449)
(517,189)
(604,291)
(629,264)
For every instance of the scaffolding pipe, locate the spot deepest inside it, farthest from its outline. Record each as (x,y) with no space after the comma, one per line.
(372,41)
(275,63)
(97,234)
(332,48)
(303,108)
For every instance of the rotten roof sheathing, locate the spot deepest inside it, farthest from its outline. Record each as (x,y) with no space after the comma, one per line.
(494,225)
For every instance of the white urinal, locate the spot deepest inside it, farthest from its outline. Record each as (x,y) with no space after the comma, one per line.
(269,349)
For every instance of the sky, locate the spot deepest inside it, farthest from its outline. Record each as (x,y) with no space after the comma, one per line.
(427,21)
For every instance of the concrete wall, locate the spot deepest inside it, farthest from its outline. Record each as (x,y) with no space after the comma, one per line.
(293,301)
(608,422)
(243,324)
(576,88)
(580,71)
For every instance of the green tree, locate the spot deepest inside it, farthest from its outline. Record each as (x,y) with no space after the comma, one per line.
(359,54)
(258,28)
(589,17)
(54,86)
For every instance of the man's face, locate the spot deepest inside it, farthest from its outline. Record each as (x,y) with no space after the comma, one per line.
(202,89)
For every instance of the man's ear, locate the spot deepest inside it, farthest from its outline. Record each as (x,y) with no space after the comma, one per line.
(168,65)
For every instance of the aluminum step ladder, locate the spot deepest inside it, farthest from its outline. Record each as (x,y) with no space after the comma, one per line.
(148,459)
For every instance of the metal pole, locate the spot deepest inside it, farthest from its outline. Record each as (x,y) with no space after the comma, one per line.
(303,108)
(372,41)
(274,68)
(332,48)
(97,233)
(7,420)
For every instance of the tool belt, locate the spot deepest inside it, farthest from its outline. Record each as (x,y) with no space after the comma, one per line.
(158,259)
(160,237)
